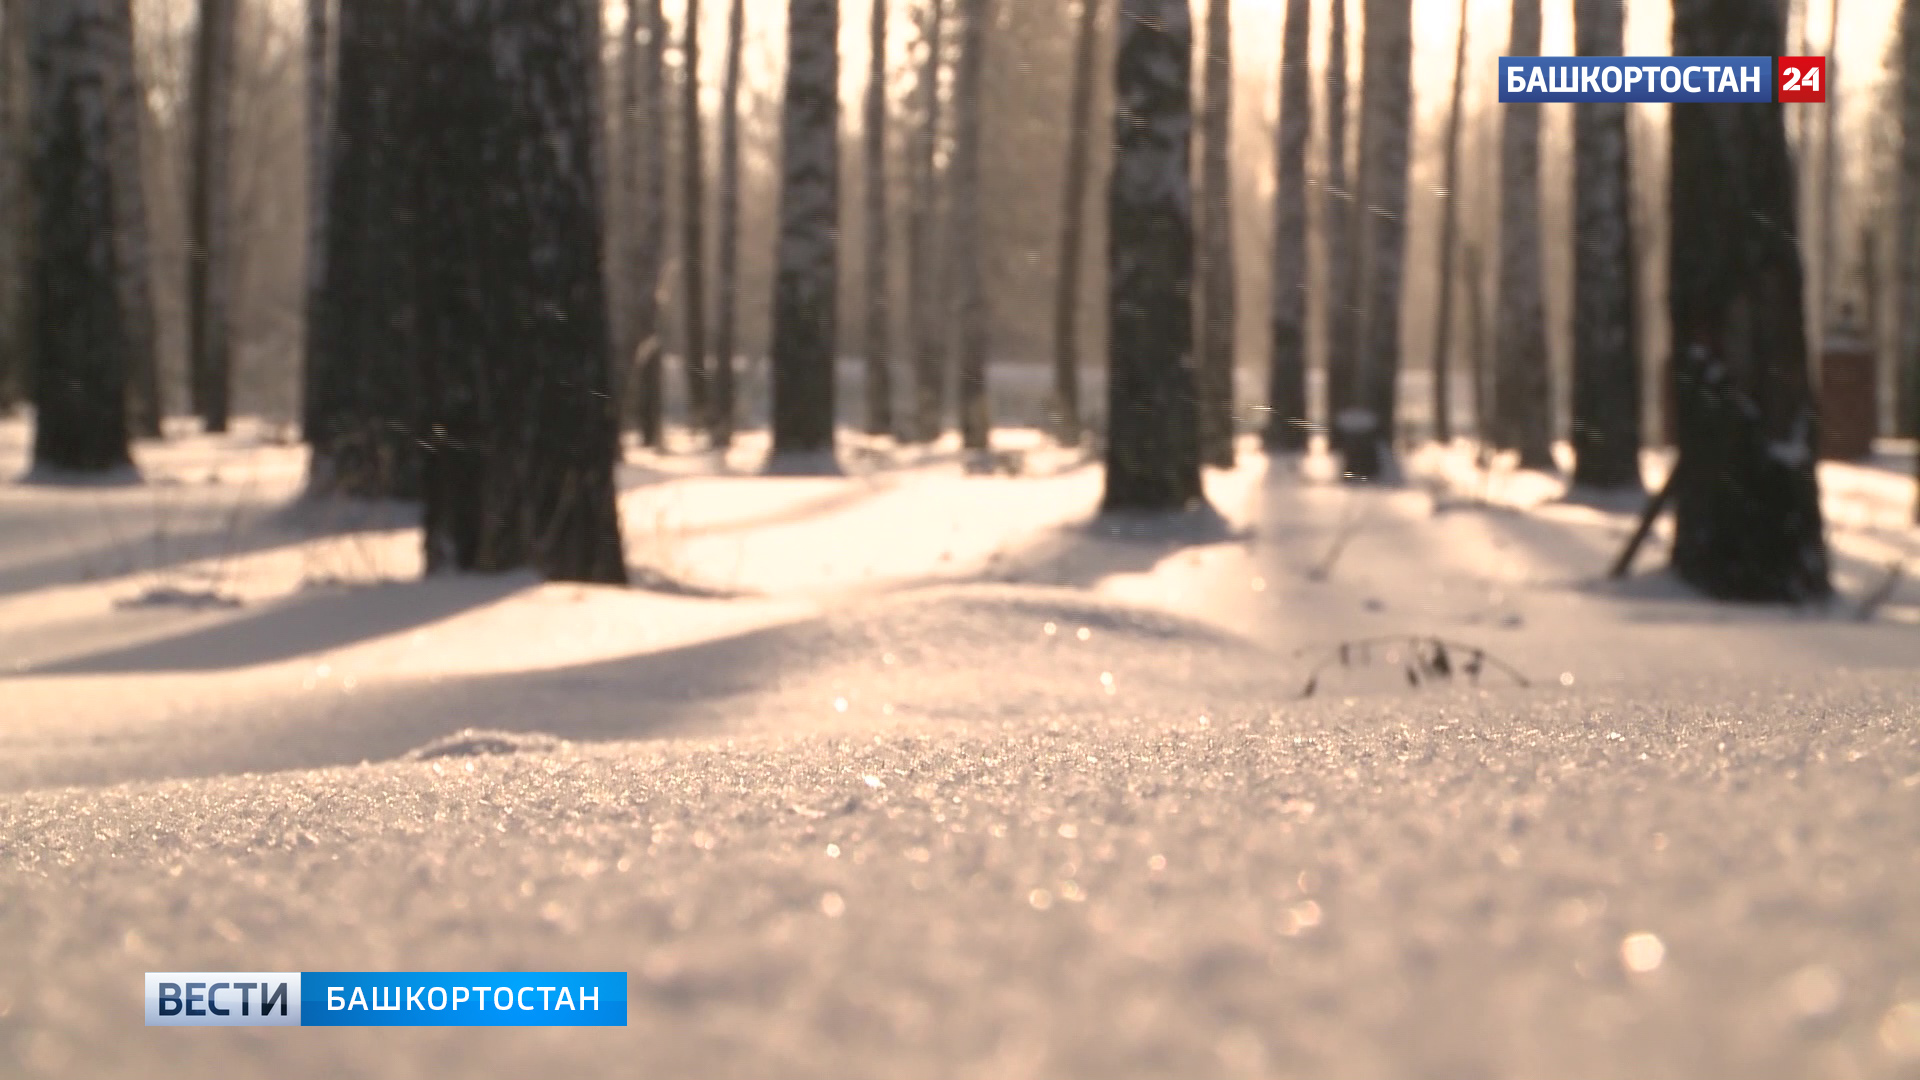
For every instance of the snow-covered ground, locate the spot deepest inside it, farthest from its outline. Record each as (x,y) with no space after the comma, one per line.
(917,772)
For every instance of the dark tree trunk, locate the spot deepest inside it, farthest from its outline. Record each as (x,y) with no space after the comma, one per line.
(1073,213)
(1449,237)
(1287,430)
(879,308)
(361,349)
(319,117)
(1747,500)
(1826,275)
(209,211)
(1472,276)
(1386,107)
(1337,228)
(15,220)
(693,223)
(644,164)
(1522,397)
(130,230)
(964,240)
(78,334)
(1606,361)
(1153,441)
(513,322)
(1907,237)
(728,256)
(806,263)
(926,294)
(1216,310)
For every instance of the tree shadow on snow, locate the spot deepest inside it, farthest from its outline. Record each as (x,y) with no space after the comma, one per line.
(1083,554)
(312,621)
(155,538)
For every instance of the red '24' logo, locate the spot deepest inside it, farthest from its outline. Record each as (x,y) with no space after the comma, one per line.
(1800,78)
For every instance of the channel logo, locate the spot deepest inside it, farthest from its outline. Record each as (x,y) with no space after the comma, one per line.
(386,999)
(223,999)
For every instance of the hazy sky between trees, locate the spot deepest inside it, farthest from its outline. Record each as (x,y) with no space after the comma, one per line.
(1866,26)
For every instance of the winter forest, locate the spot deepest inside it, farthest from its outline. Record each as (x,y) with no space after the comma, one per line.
(1200,512)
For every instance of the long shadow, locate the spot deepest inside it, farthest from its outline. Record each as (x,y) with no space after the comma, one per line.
(145,540)
(1082,554)
(762,681)
(1566,546)
(309,622)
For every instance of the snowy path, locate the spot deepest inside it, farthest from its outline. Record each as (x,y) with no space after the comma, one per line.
(919,777)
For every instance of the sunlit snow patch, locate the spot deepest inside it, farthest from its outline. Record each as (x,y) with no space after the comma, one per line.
(475,742)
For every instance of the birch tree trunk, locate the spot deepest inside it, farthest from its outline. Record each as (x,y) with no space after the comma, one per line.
(879,300)
(1153,443)
(1073,214)
(131,227)
(728,256)
(1907,253)
(513,320)
(1449,238)
(1746,496)
(360,408)
(1606,362)
(78,334)
(965,243)
(925,292)
(1337,226)
(693,223)
(644,158)
(1386,104)
(1216,309)
(1286,429)
(209,213)
(1523,405)
(806,260)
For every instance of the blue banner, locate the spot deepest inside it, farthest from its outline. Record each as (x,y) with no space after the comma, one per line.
(463,999)
(1648,79)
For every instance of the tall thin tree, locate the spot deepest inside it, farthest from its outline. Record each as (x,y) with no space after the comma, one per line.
(1073,213)
(727,287)
(926,295)
(1449,239)
(1522,396)
(513,319)
(1606,362)
(877,262)
(1217,306)
(15,220)
(1153,442)
(360,407)
(78,337)
(1337,221)
(965,244)
(693,226)
(644,161)
(131,227)
(1907,237)
(319,118)
(1745,493)
(1286,429)
(806,259)
(1386,116)
(209,215)
(1826,273)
